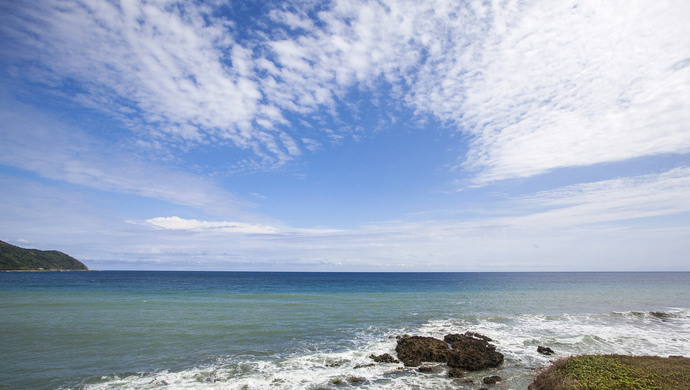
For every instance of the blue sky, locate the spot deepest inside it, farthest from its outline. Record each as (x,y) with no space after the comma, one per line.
(348,135)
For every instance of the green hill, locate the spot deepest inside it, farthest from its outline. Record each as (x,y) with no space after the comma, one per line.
(14,258)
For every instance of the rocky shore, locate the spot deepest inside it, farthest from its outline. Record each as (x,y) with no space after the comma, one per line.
(618,372)
(474,352)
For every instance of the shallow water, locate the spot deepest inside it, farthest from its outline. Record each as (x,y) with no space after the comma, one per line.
(225,330)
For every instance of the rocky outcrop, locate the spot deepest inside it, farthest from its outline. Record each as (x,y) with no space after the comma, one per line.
(414,350)
(469,351)
(472,352)
(545,350)
(491,380)
(384,358)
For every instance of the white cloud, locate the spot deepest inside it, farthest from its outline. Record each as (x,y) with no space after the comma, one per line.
(537,85)
(592,226)
(174,64)
(311,144)
(290,145)
(607,225)
(571,84)
(176,223)
(35,142)
(611,201)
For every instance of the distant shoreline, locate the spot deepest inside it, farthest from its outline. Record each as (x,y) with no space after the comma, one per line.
(43,270)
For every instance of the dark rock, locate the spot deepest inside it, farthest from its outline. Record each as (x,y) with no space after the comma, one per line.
(385,358)
(425,369)
(414,350)
(468,338)
(472,352)
(470,381)
(491,380)
(364,365)
(455,373)
(545,350)
(483,388)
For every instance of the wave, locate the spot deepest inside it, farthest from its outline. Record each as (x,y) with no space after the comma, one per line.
(659,333)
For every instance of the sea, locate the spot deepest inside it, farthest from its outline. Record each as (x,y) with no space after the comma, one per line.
(271,330)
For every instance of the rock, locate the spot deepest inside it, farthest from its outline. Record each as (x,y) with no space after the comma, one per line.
(491,380)
(385,358)
(426,369)
(472,352)
(469,381)
(545,350)
(467,338)
(364,365)
(455,373)
(483,388)
(414,350)
(478,336)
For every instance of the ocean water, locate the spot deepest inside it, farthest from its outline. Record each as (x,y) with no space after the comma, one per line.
(242,330)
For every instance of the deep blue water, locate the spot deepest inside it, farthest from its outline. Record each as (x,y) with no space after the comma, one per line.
(134,329)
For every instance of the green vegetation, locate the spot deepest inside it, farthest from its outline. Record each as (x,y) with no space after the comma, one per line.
(14,258)
(615,372)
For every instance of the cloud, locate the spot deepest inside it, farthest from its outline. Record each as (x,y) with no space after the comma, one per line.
(193,225)
(176,223)
(311,144)
(611,201)
(568,84)
(607,225)
(36,142)
(535,85)
(593,226)
(171,71)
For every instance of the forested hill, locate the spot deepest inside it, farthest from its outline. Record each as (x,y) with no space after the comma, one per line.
(15,258)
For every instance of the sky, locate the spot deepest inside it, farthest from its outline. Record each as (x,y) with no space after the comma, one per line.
(348,135)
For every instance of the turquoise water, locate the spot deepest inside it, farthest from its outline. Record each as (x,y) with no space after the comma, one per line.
(226,330)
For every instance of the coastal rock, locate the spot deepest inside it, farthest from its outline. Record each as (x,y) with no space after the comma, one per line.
(545,350)
(470,351)
(426,369)
(491,380)
(385,358)
(414,350)
(455,373)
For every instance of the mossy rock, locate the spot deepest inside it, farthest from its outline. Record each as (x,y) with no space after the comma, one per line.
(615,372)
